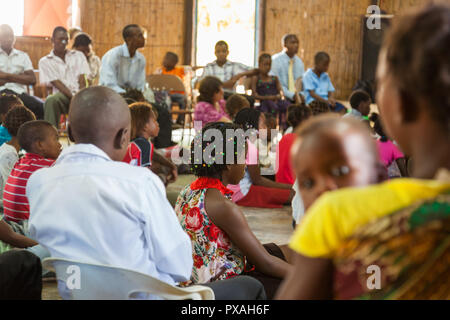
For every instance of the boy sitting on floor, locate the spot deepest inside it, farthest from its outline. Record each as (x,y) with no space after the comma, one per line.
(360,102)
(40,140)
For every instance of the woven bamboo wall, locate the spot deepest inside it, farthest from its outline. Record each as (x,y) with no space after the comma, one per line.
(397,7)
(36,47)
(324,25)
(329,25)
(163,20)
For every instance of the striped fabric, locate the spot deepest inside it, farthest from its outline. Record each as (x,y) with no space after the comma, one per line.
(15,202)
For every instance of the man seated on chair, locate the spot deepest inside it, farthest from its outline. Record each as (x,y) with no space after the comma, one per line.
(115,214)
(65,71)
(227,71)
(123,70)
(16,72)
(289,68)
(123,67)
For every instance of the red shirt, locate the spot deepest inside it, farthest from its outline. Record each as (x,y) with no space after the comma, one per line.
(15,201)
(139,153)
(285,173)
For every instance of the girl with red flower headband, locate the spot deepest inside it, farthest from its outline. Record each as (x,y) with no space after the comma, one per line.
(223,244)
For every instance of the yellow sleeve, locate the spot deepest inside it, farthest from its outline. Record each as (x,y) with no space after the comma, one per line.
(336,215)
(318,232)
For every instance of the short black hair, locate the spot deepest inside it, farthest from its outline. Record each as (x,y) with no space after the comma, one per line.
(16,117)
(81,40)
(7,101)
(132,95)
(297,113)
(221,43)
(172,55)
(357,97)
(248,118)
(211,168)
(287,37)
(58,29)
(318,107)
(126,32)
(264,56)
(321,56)
(32,131)
(235,103)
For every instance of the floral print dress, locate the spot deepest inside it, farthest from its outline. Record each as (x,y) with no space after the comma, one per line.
(215,256)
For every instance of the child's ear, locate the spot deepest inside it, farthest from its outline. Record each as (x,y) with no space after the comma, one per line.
(408,109)
(38,148)
(121,139)
(69,133)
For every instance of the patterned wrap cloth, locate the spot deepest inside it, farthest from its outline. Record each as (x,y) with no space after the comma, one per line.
(411,247)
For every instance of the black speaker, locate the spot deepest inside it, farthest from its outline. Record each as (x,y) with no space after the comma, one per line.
(371,44)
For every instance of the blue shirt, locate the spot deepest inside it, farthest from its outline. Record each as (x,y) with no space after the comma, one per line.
(119,71)
(280,68)
(4,135)
(321,86)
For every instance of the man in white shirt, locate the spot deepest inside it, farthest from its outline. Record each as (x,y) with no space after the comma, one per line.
(114,214)
(289,68)
(65,71)
(16,72)
(123,67)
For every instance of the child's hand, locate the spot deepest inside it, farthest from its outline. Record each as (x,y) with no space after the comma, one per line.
(332,102)
(173,175)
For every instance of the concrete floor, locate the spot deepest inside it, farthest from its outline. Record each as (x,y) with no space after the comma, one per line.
(268,225)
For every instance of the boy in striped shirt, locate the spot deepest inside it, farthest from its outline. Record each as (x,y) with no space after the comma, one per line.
(40,140)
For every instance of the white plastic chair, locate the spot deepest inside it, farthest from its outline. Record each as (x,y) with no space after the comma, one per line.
(102,282)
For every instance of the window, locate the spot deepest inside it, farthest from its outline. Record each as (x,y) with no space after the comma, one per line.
(14,15)
(39,17)
(233,21)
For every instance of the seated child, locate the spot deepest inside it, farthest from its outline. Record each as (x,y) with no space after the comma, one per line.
(210,103)
(223,245)
(14,234)
(170,67)
(268,90)
(389,152)
(267,156)
(297,113)
(7,101)
(360,102)
(236,103)
(140,151)
(40,140)
(254,190)
(9,151)
(317,84)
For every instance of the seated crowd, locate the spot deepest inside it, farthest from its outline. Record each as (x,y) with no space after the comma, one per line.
(358,182)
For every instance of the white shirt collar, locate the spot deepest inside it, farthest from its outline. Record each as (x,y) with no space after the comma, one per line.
(88,149)
(125,51)
(68,51)
(14,51)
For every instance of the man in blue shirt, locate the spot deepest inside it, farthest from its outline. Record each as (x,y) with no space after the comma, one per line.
(123,67)
(289,68)
(317,83)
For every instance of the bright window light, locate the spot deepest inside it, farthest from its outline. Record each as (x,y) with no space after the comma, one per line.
(12,13)
(230,20)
